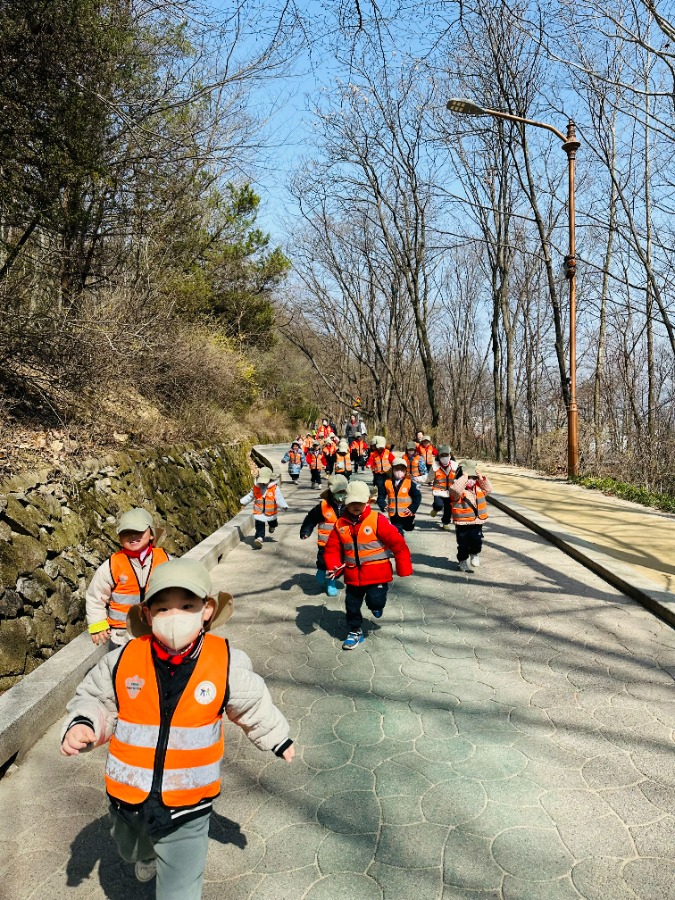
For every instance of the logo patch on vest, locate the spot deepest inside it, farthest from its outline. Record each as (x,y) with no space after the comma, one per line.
(124,579)
(367,530)
(134,685)
(205,692)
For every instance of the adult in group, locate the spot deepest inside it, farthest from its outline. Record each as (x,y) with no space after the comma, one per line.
(352,430)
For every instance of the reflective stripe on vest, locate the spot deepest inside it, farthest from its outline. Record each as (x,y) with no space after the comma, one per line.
(381,463)
(443,480)
(342,463)
(329,520)
(194,741)
(464,513)
(368,547)
(127,590)
(265,504)
(414,465)
(398,503)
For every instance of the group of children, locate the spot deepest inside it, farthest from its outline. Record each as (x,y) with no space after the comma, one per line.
(159,696)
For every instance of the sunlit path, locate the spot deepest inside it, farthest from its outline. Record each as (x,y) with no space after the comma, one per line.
(502,734)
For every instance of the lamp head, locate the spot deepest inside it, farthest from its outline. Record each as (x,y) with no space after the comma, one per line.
(465,107)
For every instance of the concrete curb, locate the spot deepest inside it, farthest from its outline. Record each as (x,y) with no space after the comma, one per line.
(616,573)
(39,699)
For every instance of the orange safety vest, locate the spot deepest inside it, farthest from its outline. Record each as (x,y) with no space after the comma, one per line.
(180,758)
(381,463)
(427,454)
(265,504)
(127,590)
(330,449)
(443,480)
(465,512)
(307,443)
(330,517)
(398,502)
(343,463)
(360,446)
(294,458)
(315,460)
(414,465)
(367,548)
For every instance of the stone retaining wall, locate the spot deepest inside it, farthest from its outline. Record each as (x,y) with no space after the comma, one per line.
(56,528)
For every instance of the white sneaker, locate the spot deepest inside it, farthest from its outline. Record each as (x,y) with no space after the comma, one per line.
(475,561)
(145,869)
(257,543)
(447,528)
(464,566)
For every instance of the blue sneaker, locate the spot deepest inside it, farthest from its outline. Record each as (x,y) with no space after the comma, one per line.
(321,576)
(377,613)
(332,589)
(354,638)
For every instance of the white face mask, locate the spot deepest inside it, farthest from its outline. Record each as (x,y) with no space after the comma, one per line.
(444,460)
(177,630)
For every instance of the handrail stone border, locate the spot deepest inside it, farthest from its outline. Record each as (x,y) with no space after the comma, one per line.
(619,575)
(30,707)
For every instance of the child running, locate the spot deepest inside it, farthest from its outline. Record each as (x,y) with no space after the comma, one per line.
(295,459)
(379,462)
(316,462)
(324,516)
(267,501)
(121,581)
(468,494)
(417,468)
(443,469)
(159,700)
(362,542)
(342,461)
(403,496)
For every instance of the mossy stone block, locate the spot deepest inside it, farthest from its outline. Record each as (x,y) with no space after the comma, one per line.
(13,647)
(9,570)
(67,533)
(43,629)
(23,519)
(28,554)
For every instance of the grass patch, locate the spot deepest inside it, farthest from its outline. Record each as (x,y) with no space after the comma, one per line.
(626,491)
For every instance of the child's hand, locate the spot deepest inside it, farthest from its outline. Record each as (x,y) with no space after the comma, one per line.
(101,637)
(289,753)
(303,537)
(77,738)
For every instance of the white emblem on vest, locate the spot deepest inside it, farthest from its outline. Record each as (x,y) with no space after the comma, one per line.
(124,579)
(367,530)
(205,692)
(134,686)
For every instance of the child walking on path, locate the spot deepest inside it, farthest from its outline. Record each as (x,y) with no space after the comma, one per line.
(295,459)
(316,462)
(403,496)
(121,581)
(159,700)
(362,542)
(468,495)
(443,469)
(342,461)
(379,462)
(417,468)
(267,501)
(324,516)
(359,453)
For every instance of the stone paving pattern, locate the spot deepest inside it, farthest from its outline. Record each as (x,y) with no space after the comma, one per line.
(503,734)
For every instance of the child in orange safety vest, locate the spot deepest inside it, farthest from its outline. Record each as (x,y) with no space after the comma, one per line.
(121,581)
(295,459)
(267,500)
(342,461)
(379,462)
(160,701)
(323,516)
(359,452)
(468,494)
(443,474)
(403,496)
(417,467)
(361,543)
(316,463)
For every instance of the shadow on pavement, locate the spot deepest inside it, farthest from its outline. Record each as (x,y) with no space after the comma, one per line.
(306,582)
(94,844)
(311,618)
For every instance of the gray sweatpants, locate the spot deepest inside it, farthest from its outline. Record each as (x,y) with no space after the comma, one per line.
(180,855)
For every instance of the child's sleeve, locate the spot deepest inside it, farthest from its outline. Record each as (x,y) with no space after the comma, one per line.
(97,598)
(333,552)
(311,520)
(286,457)
(415,498)
(423,467)
(250,705)
(485,485)
(456,489)
(394,541)
(94,700)
(247,499)
(280,499)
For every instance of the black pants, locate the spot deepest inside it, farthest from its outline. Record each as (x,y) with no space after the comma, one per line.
(294,477)
(403,523)
(375,596)
(320,561)
(445,504)
(260,527)
(379,479)
(469,541)
(316,476)
(330,462)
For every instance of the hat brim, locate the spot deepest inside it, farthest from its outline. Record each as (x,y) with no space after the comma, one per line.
(137,625)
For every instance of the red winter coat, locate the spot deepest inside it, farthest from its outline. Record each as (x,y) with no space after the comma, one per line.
(384,454)
(374,572)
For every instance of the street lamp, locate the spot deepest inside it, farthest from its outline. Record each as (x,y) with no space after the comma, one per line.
(570,146)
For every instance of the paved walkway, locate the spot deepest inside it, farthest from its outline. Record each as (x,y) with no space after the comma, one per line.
(504,734)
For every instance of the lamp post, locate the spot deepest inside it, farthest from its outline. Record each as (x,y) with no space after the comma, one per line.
(570,145)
